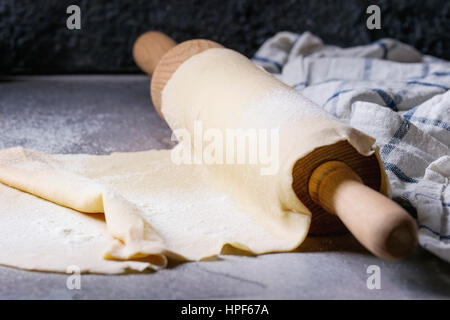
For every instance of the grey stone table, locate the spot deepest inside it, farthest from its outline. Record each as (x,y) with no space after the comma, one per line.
(102,114)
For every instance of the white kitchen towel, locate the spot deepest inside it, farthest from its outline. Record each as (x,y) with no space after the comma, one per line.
(392,92)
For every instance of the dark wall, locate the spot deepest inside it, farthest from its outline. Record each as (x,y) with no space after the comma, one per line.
(34,37)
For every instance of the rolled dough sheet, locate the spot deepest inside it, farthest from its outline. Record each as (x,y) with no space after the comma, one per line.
(108,214)
(40,235)
(152,207)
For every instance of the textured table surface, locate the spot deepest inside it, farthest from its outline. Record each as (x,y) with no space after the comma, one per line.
(102,114)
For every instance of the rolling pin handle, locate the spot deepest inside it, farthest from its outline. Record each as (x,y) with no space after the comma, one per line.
(380,224)
(149,48)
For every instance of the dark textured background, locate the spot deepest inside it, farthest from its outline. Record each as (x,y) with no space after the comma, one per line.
(34,37)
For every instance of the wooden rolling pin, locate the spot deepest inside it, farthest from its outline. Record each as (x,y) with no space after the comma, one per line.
(335,182)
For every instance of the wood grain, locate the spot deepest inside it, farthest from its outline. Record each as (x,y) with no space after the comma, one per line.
(367,168)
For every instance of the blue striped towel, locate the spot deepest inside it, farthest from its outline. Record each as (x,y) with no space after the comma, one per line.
(393,93)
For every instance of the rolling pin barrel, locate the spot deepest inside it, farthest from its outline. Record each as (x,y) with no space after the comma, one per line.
(380,224)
